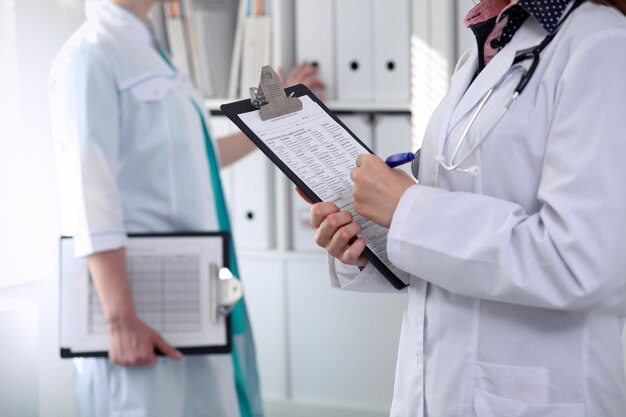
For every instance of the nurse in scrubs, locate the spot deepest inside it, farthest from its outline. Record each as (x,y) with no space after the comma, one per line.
(136,156)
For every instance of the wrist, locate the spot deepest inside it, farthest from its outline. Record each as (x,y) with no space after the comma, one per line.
(119,317)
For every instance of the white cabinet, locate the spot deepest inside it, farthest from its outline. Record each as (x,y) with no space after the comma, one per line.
(264,288)
(342,345)
(319,350)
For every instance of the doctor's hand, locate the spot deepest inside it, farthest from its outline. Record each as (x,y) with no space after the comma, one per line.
(378,189)
(133,343)
(334,229)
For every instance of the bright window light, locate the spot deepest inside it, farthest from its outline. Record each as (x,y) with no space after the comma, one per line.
(429,84)
(9,124)
(9,67)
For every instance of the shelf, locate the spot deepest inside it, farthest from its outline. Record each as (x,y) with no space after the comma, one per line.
(365,107)
(284,255)
(213,105)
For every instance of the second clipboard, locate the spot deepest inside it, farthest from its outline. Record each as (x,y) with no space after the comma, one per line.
(233,112)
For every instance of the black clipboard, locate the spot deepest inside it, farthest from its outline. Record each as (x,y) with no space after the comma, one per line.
(68,352)
(233,110)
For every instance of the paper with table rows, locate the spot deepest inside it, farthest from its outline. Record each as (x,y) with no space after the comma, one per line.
(322,154)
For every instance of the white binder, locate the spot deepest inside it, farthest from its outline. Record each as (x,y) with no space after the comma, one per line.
(361,126)
(391,40)
(392,134)
(252,215)
(315,39)
(221,127)
(353,24)
(303,238)
(248,186)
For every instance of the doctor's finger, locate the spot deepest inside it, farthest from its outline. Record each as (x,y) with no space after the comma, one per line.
(353,253)
(329,227)
(320,211)
(341,239)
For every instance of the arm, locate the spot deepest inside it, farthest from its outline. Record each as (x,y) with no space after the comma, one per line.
(236,146)
(131,342)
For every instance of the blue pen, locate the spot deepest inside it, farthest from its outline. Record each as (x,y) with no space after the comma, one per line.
(399,159)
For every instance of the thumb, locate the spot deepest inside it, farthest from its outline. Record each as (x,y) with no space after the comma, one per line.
(167,349)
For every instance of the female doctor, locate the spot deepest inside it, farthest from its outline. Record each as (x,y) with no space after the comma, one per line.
(515,236)
(136,156)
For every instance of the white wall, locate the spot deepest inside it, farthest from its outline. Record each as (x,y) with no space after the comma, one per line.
(40,385)
(465,37)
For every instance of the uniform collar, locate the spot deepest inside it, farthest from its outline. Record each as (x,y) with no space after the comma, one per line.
(127,21)
(488,9)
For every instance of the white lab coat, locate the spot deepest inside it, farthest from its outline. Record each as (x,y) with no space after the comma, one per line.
(132,159)
(517,295)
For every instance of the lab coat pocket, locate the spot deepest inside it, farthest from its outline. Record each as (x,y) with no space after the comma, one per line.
(151,89)
(526,384)
(489,405)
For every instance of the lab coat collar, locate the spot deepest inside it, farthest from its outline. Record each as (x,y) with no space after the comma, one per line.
(470,93)
(127,21)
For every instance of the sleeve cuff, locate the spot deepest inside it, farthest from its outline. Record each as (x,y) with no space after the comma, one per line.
(396,249)
(99,242)
(351,278)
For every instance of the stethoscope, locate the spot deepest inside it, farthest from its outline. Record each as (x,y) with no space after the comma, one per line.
(455,162)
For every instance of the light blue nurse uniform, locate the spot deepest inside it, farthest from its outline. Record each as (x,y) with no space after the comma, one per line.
(135,155)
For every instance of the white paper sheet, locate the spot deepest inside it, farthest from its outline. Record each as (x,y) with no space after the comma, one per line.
(169,279)
(322,154)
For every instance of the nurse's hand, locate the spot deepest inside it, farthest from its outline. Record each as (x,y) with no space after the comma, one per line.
(133,343)
(303,73)
(334,229)
(378,189)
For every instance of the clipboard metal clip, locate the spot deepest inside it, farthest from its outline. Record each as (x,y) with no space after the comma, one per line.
(270,97)
(224,290)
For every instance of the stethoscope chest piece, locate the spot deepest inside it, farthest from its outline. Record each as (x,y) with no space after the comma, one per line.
(415,165)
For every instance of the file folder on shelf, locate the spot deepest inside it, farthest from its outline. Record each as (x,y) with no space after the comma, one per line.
(391,40)
(315,39)
(354,51)
(250,202)
(392,134)
(252,213)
